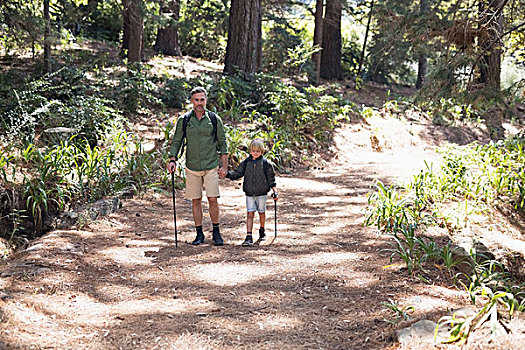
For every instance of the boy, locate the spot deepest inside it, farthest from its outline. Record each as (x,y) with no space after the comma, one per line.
(259,178)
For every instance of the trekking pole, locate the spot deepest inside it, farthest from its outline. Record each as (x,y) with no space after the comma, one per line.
(275,198)
(174,210)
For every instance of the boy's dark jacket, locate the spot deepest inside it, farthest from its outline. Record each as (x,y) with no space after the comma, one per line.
(256,182)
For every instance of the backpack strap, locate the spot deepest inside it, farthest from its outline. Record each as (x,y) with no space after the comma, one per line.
(265,168)
(186,120)
(213,119)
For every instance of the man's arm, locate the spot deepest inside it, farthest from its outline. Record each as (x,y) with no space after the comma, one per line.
(223,148)
(223,170)
(222,145)
(176,143)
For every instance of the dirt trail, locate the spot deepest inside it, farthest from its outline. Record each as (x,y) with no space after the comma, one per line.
(121,283)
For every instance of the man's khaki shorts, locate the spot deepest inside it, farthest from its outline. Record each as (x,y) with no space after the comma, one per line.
(196,179)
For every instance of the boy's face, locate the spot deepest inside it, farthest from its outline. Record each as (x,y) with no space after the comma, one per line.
(256,153)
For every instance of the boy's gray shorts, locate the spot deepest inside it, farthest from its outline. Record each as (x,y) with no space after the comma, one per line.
(256,203)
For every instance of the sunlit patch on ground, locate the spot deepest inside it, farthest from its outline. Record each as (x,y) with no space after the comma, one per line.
(333,229)
(132,256)
(272,322)
(227,274)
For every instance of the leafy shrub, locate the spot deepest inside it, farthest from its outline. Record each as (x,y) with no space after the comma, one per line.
(281,40)
(104,21)
(497,293)
(175,92)
(350,56)
(203,29)
(471,177)
(136,89)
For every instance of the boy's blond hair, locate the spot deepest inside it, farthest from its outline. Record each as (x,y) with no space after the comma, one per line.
(257,144)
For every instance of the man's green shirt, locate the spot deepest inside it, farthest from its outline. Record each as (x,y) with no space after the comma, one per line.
(201,150)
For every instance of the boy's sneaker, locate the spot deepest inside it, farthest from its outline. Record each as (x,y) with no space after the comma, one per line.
(248,241)
(262,235)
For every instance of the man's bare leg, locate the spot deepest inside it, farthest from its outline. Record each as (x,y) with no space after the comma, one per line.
(196,208)
(214,215)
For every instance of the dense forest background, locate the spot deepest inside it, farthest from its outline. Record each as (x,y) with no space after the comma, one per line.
(80,78)
(75,73)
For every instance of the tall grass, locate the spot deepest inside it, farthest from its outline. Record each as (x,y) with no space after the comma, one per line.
(471,179)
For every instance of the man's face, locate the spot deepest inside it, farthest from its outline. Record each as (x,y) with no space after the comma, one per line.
(199,102)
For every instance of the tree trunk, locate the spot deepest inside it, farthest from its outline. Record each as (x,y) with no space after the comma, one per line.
(422,62)
(422,69)
(318,37)
(47,38)
(133,30)
(125,27)
(491,24)
(167,41)
(243,50)
(331,54)
(259,39)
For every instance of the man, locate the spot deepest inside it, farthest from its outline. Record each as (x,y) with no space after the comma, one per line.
(203,151)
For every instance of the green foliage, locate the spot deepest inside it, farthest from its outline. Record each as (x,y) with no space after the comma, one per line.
(399,311)
(307,115)
(497,293)
(391,49)
(281,40)
(175,92)
(473,177)
(203,28)
(104,21)
(405,247)
(22,24)
(299,62)
(237,143)
(285,116)
(56,100)
(236,96)
(136,89)
(477,174)
(351,54)
(390,209)
(74,171)
(449,258)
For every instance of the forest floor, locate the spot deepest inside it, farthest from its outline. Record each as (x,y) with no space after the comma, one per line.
(120,282)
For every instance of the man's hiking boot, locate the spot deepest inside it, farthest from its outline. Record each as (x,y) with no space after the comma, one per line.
(248,241)
(262,235)
(217,239)
(199,239)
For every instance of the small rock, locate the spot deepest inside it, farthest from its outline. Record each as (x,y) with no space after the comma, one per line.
(421,332)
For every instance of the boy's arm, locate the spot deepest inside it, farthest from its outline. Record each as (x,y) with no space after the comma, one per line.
(237,173)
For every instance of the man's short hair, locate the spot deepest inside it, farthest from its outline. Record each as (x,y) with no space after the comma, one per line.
(199,89)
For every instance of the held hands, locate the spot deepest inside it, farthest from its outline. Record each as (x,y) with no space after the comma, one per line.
(223,168)
(274,195)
